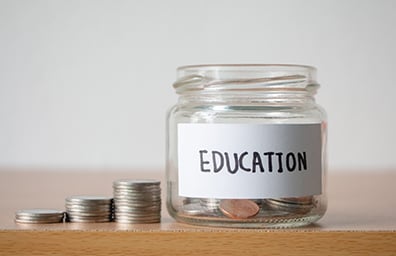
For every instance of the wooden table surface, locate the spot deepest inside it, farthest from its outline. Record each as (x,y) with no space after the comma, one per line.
(361,220)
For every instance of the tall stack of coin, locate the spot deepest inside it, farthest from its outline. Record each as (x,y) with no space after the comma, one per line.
(39,216)
(89,209)
(137,201)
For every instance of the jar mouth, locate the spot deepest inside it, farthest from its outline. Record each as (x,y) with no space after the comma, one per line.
(245,77)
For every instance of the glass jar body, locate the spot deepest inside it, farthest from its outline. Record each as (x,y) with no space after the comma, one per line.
(257,110)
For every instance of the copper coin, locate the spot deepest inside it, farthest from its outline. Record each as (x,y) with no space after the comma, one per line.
(239,208)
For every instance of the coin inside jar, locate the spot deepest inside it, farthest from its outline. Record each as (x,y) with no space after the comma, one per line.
(239,208)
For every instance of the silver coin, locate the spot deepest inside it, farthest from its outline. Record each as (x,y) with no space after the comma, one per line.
(142,190)
(136,203)
(127,221)
(136,211)
(133,213)
(139,188)
(134,188)
(89,213)
(210,203)
(138,196)
(141,195)
(132,221)
(88,199)
(86,220)
(89,220)
(48,221)
(93,206)
(128,200)
(135,183)
(88,216)
(38,217)
(288,207)
(192,209)
(138,215)
(88,206)
(287,204)
(39,212)
(126,209)
(141,209)
(79,210)
(137,218)
(306,200)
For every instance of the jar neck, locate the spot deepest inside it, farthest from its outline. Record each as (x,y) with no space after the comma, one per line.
(253,98)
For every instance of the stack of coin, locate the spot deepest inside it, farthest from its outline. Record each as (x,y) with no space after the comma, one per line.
(211,204)
(89,209)
(297,205)
(137,201)
(39,216)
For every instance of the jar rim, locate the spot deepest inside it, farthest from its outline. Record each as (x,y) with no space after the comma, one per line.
(226,77)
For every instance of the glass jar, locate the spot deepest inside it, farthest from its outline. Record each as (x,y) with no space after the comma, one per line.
(246,147)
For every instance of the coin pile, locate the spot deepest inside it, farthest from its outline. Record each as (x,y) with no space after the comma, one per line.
(39,216)
(137,201)
(89,209)
(247,208)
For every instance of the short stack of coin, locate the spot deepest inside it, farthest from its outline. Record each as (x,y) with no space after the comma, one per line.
(297,205)
(137,201)
(39,216)
(211,204)
(89,209)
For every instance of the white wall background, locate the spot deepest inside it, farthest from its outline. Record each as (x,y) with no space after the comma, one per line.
(87,83)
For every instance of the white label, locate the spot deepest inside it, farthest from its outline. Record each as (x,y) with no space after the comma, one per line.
(249,160)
